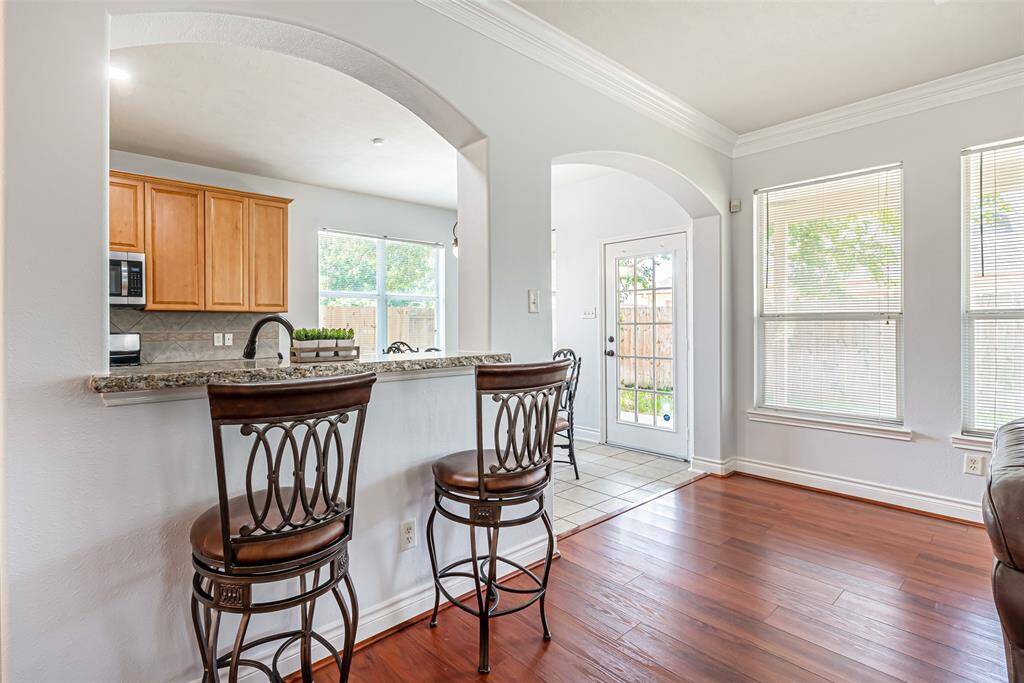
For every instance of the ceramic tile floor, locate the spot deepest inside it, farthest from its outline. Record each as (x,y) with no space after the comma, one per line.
(611,478)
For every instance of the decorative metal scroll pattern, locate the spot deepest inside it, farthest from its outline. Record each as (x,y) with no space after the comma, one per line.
(305,456)
(522,429)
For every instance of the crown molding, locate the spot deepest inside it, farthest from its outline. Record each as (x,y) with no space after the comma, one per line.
(515,28)
(518,29)
(984,80)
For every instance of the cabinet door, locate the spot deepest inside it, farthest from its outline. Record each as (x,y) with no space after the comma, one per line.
(227,252)
(175,253)
(127,228)
(268,261)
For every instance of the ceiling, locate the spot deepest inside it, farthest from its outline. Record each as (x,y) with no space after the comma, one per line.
(273,115)
(749,65)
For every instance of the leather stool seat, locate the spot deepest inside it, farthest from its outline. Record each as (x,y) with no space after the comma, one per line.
(206,540)
(459,471)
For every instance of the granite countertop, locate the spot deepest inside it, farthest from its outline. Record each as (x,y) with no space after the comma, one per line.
(200,373)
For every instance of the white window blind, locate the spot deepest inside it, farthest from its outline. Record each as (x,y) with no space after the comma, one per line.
(830,296)
(993,344)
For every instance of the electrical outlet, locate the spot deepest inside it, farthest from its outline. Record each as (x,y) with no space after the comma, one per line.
(218,339)
(229,339)
(974,463)
(407,535)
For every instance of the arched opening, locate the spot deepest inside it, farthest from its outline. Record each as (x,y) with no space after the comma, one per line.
(637,291)
(181,28)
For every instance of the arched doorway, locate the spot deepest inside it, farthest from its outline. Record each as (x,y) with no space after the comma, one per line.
(637,199)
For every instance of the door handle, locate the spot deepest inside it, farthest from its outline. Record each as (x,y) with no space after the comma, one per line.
(609,353)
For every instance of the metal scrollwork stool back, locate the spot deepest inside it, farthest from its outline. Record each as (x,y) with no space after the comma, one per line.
(514,471)
(565,425)
(293,521)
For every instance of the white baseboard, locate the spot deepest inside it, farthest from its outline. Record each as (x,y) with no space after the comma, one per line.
(894,495)
(587,434)
(719,467)
(383,615)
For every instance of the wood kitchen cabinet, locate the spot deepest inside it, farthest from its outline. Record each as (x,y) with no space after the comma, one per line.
(175,247)
(207,248)
(227,252)
(268,261)
(127,217)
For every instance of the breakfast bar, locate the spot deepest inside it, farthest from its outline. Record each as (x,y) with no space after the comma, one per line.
(423,407)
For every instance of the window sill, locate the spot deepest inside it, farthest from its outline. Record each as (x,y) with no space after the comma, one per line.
(981,444)
(831,425)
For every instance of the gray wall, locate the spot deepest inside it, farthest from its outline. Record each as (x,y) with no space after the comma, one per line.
(926,472)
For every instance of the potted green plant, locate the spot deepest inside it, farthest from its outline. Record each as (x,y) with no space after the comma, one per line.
(327,343)
(305,340)
(346,339)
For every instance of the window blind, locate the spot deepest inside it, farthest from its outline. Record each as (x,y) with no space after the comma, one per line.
(830,296)
(993,281)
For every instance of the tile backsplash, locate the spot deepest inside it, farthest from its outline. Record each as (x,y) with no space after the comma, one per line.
(171,336)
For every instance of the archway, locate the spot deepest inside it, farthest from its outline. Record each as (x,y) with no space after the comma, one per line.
(696,216)
(141,29)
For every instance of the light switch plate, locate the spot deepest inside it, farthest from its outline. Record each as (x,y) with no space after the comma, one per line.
(218,339)
(533,300)
(589,313)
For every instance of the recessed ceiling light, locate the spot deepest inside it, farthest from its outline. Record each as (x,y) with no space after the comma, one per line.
(377,141)
(117,74)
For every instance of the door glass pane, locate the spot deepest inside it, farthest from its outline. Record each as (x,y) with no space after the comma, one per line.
(645,340)
(645,408)
(663,270)
(644,373)
(625,307)
(645,307)
(626,345)
(666,411)
(645,273)
(625,280)
(414,322)
(627,406)
(359,314)
(663,305)
(664,376)
(627,373)
(663,341)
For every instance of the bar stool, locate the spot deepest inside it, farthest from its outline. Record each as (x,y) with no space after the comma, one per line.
(565,425)
(294,519)
(516,471)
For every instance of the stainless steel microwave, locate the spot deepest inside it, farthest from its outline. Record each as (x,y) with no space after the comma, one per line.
(127,279)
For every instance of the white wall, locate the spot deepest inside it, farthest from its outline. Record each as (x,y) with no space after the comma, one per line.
(96,500)
(927,472)
(584,213)
(320,207)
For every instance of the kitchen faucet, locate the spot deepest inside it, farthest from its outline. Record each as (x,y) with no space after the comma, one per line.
(250,346)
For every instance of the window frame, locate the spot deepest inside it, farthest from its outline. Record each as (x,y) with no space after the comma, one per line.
(380,294)
(813,417)
(968,315)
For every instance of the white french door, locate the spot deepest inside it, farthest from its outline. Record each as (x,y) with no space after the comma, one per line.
(645,344)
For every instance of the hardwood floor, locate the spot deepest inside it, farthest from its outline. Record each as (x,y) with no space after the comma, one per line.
(735,579)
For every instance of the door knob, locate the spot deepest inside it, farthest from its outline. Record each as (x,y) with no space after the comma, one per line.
(609,352)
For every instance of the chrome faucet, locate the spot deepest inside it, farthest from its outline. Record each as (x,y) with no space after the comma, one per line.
(250,346)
